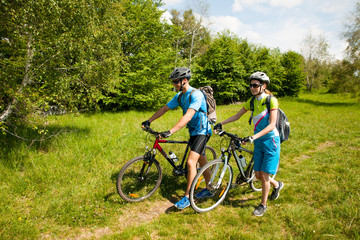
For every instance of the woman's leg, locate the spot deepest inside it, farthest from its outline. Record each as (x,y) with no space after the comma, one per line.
(265,181)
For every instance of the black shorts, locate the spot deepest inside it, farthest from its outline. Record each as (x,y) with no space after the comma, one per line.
(198,143)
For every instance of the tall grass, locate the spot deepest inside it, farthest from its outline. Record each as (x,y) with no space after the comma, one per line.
(65,187)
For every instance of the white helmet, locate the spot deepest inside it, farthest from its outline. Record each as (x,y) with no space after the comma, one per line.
(262,77)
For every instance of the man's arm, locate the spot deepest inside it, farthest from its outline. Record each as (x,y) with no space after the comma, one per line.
(158,114)
(183,120)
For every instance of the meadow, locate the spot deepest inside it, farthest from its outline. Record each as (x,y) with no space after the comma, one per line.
(64,188)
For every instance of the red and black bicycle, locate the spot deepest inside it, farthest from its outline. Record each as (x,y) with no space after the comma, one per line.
(140,177)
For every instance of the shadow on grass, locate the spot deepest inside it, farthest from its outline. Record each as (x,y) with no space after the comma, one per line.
(15,149)
(324,104)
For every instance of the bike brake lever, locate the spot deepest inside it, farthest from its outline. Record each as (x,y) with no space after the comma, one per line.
(221,133)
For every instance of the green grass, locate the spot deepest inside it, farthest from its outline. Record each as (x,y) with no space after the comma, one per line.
(65,187)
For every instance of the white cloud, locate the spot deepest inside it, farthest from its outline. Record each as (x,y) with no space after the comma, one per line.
(233,24)
(166,16)
(236,7)
(238,4)
(285,3)
(172,2)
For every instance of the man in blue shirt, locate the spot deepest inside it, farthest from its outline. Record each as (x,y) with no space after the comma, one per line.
(193,104)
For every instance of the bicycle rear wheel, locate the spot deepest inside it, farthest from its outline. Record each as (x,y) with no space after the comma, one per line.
(255,184)
(138,179)
(219,186)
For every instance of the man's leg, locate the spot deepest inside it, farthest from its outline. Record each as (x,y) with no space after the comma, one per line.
(207,173)
(198,144)
(191,166)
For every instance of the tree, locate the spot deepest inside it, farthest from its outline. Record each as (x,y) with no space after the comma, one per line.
(294,73)
(53,54)
(352,34)
(346,73)
(220,67)
(316,53)
(345,78)
(194,37)
(147,47)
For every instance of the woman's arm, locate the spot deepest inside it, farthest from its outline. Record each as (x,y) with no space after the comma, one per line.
(235,117)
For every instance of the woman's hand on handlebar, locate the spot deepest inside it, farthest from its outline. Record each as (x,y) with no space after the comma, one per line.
(247,139)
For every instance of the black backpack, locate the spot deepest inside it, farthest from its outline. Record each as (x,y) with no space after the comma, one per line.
(282,123)
(210,102)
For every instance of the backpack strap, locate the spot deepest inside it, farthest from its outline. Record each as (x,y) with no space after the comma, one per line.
(180,95)
(267,102)
(251,108)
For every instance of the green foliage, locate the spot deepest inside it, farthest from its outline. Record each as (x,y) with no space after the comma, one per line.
(192,37)
(219,67)
(351,34)
(146,44)
(345,78)
(229,61)
(117,55)
(58,53)
(294,74)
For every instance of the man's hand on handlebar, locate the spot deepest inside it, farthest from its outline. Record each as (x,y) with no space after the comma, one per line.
(165,134)
(145,124)
(218,127)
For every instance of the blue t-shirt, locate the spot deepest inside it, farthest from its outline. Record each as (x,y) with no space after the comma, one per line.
(198,124)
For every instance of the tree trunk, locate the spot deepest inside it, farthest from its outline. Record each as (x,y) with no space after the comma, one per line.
(191,47)
(26,80)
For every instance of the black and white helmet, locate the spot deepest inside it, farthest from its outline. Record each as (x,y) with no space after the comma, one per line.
(262,77)
(181,72)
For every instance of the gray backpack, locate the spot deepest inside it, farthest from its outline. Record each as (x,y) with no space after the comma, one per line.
(210,102)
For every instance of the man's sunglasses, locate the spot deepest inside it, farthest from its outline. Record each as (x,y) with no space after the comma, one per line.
(255,85)
(176,81)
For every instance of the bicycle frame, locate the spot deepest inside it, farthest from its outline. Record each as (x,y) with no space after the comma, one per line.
(226,154)
(157,146)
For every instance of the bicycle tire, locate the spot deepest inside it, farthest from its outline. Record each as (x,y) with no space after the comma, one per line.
(210,153)
(255,184)
(209,203)
(135,188)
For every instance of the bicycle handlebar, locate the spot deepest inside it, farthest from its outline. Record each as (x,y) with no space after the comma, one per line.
(151,131)
(232,136)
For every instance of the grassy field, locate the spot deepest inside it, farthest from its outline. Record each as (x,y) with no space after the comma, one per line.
(65,188)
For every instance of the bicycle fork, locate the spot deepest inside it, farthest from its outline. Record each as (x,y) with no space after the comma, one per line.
(216,186)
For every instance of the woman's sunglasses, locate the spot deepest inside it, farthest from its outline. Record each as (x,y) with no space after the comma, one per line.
(255,85)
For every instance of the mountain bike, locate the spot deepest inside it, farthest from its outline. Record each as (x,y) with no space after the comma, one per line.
(140,177)
(222,175)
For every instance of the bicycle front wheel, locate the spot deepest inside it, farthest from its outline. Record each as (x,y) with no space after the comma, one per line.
(139,179)
(220,179)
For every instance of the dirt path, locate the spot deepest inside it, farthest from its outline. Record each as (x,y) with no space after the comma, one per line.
(132,218)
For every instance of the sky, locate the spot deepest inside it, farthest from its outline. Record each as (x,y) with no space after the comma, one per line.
(282,24)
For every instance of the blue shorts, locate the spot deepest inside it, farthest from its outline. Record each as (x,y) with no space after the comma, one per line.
(267,155)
